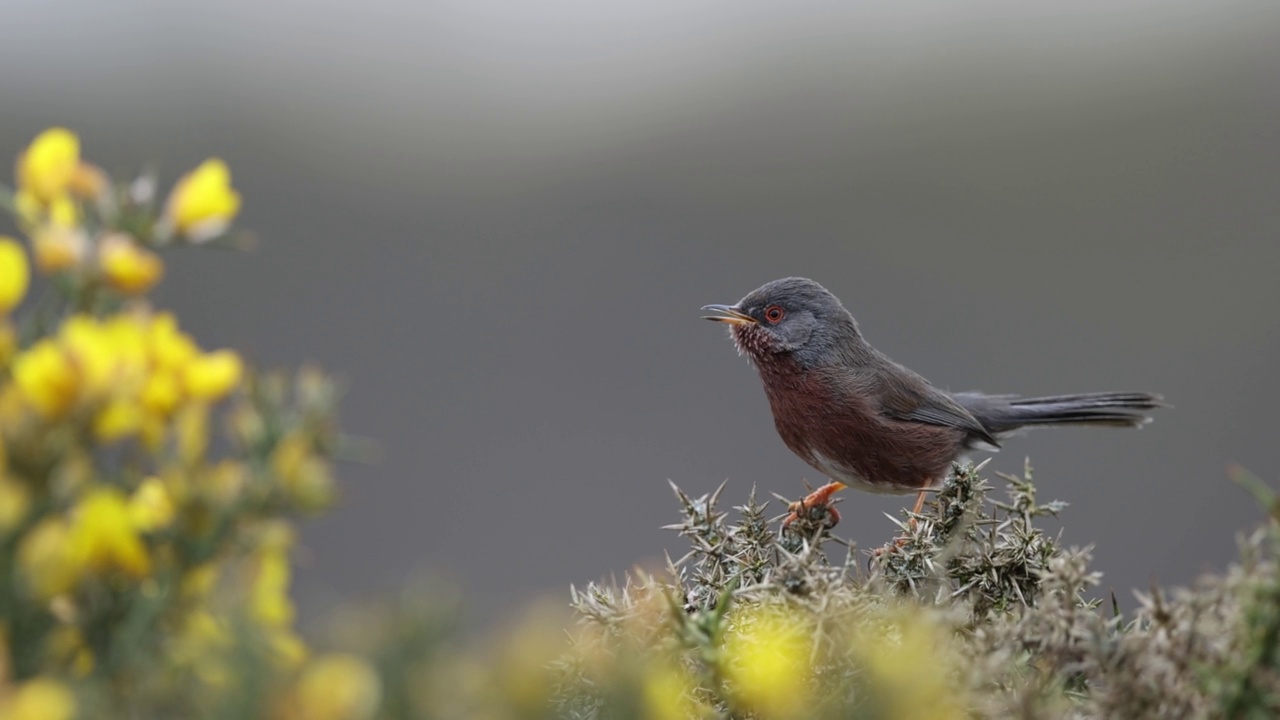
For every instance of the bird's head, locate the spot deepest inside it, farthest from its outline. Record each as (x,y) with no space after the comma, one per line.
(793,316)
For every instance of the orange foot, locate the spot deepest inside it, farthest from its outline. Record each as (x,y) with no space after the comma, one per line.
(818,500)
(894,544)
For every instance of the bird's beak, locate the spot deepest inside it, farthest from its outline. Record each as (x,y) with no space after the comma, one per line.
(728,314)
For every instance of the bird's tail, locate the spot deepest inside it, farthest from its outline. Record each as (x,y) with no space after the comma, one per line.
(1117,409)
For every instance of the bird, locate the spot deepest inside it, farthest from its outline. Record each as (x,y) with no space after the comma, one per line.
(867,422)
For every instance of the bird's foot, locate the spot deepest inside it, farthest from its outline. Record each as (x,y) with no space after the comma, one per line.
(897,543)
(912,523)
(816,507)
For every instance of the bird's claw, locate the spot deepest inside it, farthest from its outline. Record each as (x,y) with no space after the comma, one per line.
(817,505)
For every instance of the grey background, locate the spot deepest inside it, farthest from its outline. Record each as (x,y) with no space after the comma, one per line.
(498,221)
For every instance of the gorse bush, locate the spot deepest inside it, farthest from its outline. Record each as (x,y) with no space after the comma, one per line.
(146,484)
(149,489)
(972,611)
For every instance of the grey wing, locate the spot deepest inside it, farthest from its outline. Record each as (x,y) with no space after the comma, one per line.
(916,400)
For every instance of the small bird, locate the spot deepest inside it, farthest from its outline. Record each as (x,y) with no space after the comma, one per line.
(862,419)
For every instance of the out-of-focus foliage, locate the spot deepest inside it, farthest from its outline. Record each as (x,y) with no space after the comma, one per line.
(149,487)
(146,484)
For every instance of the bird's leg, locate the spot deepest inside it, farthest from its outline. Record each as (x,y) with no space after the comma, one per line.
(911,522)
(919,505)
(919,502)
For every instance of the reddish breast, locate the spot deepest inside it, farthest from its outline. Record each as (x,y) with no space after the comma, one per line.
(839,433)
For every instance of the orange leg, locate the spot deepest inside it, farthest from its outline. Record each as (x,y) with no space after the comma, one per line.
(911,522)
(919,502)
(918,507)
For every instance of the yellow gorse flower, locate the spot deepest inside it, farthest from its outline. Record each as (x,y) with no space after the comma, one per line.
(58,247)
(269,601)
(89,181)
(668,693)
(48,166)
(200,643)
(150,506)
(212,376)
(128,370)
(45,558)
(127,266)
(39,699)
(337,687)
(45,378)
(203,203)
(893,661)
(170,348)
(15,500)
(305,477)
(768,663)
(104,538)
(14,274)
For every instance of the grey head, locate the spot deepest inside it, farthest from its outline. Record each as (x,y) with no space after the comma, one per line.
(793,317)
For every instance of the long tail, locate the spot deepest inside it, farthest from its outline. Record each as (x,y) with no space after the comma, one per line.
(1000,414)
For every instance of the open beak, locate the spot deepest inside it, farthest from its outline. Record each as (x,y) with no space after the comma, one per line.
(728,314)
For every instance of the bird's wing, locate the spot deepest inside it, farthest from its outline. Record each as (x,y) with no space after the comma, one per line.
(923,403)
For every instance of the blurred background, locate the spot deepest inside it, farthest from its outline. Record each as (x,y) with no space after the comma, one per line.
(498,220)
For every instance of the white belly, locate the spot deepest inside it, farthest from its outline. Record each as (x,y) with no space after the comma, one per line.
(851,477)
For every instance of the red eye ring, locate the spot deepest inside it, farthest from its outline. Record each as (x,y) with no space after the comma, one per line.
(774,314)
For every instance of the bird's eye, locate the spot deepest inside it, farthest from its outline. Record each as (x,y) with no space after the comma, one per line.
(774,314)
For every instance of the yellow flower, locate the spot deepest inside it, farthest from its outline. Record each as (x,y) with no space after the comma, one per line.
(893,664)
(269,601)
(668,694)
(201,643)
(63,212)
(49,164)
(170,348)
(337,687)
(28,209)
(39,699)
(288,650)
(104,539)
(89,181)
(305,477)
(102,363)
(521,674)
(14,274)
(46,378)
(57,248)
(153,432)
(768,663)
(128,267)
(118,420)
(203,202)
(46,560)
(93,353)
(213,375)
(224,484)
(15,500)
(200,581)
(191,429)
(161,393)
(150,507)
